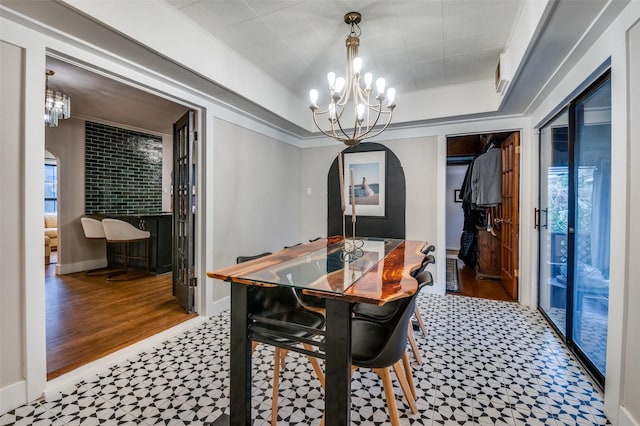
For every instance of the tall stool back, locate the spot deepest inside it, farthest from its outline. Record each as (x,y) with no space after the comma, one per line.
(119,231)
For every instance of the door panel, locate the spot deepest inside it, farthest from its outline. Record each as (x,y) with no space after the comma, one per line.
(183,210)
(592,224)
(574,223)
(552,219)
(509,214)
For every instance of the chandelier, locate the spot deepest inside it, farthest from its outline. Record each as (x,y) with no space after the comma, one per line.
(351,112)
(57,105)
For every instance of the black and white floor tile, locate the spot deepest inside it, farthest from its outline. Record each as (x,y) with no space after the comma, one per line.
(484,363)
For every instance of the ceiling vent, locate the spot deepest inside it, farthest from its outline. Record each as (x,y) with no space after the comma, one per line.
(503,73)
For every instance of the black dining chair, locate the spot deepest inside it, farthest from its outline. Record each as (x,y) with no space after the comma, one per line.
(280,304)
(385,313)
(382,344)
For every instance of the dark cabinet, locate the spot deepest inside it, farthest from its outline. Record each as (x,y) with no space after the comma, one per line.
(160,243)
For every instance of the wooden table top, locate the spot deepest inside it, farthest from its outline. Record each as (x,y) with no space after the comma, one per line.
(380,274)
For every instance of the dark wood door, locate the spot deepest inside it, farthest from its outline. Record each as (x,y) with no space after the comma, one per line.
(183,210)
(509,213)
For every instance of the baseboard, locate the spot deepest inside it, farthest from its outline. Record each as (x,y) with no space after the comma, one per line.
(13,396)
(626,419)
(220,305)
(91,370)
(85,265)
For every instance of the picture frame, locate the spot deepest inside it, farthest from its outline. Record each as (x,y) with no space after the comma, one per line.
(369,174)
(457,196)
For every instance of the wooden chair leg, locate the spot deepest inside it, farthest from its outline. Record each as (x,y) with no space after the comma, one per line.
(392,407)
(276,384)
(402,378)
(316,365)
(407,372)
(418,316)
(414,345)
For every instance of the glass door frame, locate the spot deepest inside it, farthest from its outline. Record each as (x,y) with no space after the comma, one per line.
(567,335)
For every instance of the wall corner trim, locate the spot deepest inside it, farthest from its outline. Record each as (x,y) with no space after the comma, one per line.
(625,418)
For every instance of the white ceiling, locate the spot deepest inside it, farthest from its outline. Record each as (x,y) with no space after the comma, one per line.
(414,44)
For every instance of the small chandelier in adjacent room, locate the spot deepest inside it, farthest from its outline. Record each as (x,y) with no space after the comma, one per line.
(351,112)
(57,105)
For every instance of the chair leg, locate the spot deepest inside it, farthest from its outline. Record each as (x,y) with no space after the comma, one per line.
(276,385)
(418,316)
(414,345)
(402,378)
(315,365)
(407,372)
(392,407)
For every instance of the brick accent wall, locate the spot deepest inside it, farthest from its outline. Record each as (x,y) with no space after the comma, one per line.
(123,171)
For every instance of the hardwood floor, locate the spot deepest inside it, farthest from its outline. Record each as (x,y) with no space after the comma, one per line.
(473,287)
(89,317)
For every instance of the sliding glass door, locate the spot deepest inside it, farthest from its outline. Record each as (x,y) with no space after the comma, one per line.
(574,223)
(553,219)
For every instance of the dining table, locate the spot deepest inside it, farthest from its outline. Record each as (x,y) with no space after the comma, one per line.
(343,272)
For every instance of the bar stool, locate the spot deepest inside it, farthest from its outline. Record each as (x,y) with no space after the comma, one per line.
(93,231)
(119,231)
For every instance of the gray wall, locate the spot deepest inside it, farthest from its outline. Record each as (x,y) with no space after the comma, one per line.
(11,215)
(256,193)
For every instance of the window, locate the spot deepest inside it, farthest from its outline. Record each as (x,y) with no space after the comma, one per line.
(50,188)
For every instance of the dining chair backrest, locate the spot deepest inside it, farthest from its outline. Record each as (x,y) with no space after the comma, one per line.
(428,249)
(382,344)
(268,300)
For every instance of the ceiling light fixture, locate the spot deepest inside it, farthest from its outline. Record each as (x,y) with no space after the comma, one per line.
(350,101)
(57,105)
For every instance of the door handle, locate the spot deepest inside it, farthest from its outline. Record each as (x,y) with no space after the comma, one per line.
(537,217)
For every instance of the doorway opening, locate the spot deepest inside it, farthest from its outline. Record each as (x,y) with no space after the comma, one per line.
(482,215)
(89,317)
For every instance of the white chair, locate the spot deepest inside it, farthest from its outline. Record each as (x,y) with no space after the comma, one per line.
(119,231)
(93,230)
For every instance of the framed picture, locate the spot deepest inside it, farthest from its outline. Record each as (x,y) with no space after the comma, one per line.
(367,169)
(457,196)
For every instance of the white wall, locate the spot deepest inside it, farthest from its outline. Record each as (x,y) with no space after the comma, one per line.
(631,381)
(455,215)
(11,261)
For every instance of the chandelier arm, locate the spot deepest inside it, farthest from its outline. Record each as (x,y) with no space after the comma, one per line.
(368,136)
(334,136)
(341,129)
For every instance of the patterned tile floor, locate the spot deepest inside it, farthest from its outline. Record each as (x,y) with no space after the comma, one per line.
(485,362)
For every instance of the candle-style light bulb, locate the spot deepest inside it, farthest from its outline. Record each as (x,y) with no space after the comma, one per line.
(360,112)
(391,96)
(339,84)
(313,97)
(357,65)
(368,78)
(380,83)
(331,78)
